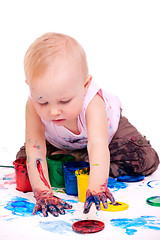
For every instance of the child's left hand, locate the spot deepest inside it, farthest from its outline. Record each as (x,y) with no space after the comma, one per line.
(97,197)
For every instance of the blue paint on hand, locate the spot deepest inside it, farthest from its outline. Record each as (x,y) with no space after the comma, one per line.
(131,224)
(70,201)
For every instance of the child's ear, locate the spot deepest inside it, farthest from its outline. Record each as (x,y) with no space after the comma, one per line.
(87,83)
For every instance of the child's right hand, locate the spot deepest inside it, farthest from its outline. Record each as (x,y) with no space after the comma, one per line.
(47,202)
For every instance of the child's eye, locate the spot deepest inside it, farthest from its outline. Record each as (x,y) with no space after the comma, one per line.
(66,101)
(45,103)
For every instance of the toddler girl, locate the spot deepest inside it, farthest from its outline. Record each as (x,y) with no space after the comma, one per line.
(67,111)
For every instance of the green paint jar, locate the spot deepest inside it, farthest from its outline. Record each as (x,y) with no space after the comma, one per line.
(55,169)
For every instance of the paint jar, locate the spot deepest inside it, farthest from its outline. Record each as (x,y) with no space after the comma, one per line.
(70,177)
(82,183)
(22,179)
(55,169)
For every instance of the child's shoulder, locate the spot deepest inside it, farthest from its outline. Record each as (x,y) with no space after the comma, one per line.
(107,97)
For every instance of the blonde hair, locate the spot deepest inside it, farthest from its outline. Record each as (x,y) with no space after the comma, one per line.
(49,47)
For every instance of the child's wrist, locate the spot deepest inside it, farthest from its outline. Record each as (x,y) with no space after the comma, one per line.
(38,193)
(102,168)
(97,183)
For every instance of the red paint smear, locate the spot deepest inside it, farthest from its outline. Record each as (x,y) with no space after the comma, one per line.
(36,146)
(2,187)
(8,179)
(40,170)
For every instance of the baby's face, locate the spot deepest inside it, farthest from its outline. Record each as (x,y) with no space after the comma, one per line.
(58,95)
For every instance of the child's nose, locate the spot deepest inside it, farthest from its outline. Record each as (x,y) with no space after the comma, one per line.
(55,111)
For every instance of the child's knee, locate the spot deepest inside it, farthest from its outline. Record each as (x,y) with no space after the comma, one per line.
(148,157)
(132,156)
(151,161)
(21,153)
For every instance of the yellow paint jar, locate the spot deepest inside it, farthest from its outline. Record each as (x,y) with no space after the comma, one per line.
(82,183)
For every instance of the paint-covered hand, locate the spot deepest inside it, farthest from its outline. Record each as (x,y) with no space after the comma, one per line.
(47,202)
(98,197)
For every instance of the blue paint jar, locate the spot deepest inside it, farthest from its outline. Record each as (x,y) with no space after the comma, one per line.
(70,177)
(55,168)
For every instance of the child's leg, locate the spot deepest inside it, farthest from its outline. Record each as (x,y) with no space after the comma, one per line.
(130,152)
(80,155)
(21,153)
(50,149)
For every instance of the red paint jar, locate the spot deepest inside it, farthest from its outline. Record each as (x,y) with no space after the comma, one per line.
(22,179)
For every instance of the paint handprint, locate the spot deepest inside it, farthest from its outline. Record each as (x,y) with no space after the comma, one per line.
(47,202)
(98,197)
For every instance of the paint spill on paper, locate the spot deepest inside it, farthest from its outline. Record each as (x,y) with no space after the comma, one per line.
(115,185)
(61,227)
(154,183)
(131,224)
(20,207)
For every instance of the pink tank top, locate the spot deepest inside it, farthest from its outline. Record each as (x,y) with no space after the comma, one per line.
(62,138)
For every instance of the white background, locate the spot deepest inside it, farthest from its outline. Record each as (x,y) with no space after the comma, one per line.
(121,39)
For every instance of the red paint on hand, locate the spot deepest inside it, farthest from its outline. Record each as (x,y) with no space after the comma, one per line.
(40,170)
(47,202)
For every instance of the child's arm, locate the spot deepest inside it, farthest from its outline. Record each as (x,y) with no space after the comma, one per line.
(99,156)
(37,165)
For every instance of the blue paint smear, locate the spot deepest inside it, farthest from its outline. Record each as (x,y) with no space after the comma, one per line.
(153,183)
(71,200)
(20,207)
(7,178)
(8,219)
(115,185)
(131,224)
(60,226)
(71,211)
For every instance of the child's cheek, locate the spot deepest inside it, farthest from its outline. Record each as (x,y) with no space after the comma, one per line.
(41,111)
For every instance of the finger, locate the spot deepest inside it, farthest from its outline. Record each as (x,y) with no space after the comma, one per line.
(96,200)
(103,198)
(60,209)
(53,211)
(64,204)
(45,210)
(88,204)
(111,198)
(36,208)
(61,202)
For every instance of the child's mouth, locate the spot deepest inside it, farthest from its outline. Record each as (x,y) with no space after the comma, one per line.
(58,121)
